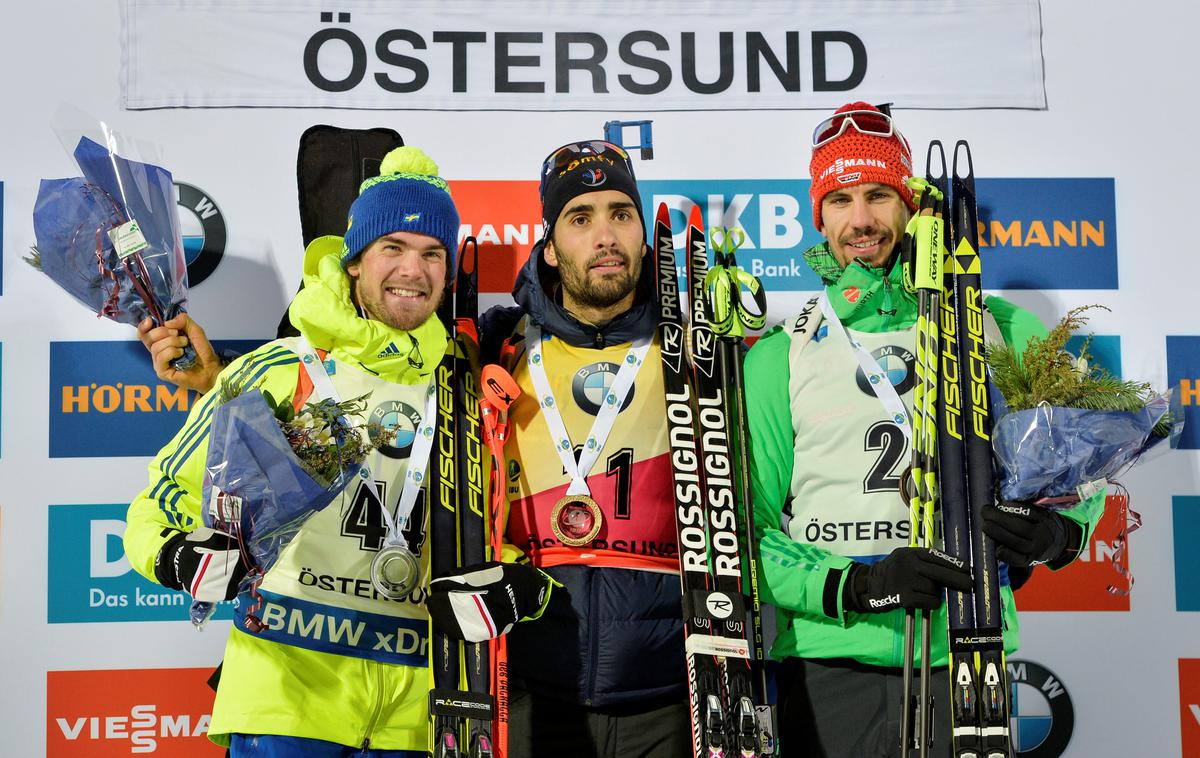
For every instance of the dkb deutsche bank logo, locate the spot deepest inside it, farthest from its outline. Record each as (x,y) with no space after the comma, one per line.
(90,579)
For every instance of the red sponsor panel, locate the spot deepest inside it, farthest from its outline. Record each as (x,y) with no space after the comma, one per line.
(1082,586)
(1189,704)
(160,712)
(506,218)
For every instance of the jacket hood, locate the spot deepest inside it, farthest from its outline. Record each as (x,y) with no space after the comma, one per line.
(534,292)
(325,314)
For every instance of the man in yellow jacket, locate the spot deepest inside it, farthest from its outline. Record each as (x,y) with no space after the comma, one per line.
(339,668)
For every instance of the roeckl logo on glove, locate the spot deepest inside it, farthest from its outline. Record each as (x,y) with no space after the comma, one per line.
(885,602)
(1016,510)
(956,561)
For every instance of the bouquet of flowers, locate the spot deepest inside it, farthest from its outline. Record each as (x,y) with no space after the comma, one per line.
(1066,427)
(111,238)
(270,468)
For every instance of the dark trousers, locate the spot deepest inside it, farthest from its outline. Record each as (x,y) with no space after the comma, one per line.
(839,708)
(547,727)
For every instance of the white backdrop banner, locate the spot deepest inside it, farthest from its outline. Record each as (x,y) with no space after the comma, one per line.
(619,55)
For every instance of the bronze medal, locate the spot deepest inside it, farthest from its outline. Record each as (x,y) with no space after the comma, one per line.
(576,520)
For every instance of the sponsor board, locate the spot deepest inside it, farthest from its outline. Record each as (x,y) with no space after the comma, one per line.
(1083,585)
(1189,705)
(98,714)
(1042,716)
(1039,233)
(1183,376)
(1185,516)
(3,257)
(1052,233)
(105,400)
(89,578)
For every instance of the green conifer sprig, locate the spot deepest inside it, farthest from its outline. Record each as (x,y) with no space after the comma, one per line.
(1047,373)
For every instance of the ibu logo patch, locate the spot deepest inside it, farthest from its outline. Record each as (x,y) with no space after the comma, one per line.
(593,177)
(402,417)
(896,365)
(1042,716)
(591,386)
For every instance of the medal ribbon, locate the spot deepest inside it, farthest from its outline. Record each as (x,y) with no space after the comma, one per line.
(418,458)
(610,406)
(880,384)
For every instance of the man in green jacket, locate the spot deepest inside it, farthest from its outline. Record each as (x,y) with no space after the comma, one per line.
(340,666)
(828,456)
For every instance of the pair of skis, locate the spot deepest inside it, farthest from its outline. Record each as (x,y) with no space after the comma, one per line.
(952,466)
(468,704)
(709,461)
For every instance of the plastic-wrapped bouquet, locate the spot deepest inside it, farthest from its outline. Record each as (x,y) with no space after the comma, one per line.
(111,237)
(1066,426)
(271,467)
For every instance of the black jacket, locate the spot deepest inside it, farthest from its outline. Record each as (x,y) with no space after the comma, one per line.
(610,636)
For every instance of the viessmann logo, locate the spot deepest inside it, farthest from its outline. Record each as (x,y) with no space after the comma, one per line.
(98,714)
(89,578)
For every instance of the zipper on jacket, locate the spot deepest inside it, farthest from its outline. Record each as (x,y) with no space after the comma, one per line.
(366,742)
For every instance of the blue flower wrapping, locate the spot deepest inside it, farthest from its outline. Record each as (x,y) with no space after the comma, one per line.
(1048,451)
(250,458)
(72,218)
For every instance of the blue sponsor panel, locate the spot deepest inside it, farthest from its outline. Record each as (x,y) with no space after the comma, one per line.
(1183,374)
(1185,513)
(1104,348)
(90,579)
(774,213)
(1036,233)
(105,400)
(1048,233)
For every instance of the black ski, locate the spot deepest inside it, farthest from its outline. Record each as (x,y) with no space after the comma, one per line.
(461,705)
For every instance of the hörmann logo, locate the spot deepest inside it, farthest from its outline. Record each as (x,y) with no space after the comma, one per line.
(1042,717)
(130,712)
(1183,373)
(1048,233)
(106,401)
(89,579)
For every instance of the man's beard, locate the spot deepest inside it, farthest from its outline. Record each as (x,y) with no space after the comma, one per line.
(606,292)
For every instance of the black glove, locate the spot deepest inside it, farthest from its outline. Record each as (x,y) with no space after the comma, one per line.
(1029,535)
(205,563)
(482,602)
(910,577)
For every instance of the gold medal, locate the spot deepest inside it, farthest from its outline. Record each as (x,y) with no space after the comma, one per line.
(394,572)
(576,520)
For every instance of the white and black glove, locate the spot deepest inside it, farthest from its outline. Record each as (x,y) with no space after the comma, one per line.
(205,563)
(909,577)
(1029,535)
(482,602)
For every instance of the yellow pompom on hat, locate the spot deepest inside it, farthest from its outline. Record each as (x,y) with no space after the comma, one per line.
(407,196)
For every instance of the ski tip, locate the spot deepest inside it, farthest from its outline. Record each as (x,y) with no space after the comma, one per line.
(935,146)
(963,150)
(695,218)
(663,215)
(469,249)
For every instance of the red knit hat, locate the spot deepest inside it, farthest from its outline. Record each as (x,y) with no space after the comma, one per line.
(855,157)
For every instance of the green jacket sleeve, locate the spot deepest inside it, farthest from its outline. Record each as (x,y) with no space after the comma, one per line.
(171,501)
(792,575)
(1018,325)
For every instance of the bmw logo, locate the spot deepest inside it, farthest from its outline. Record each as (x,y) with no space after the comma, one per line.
(203,229)
(1042,715)
(402,417)
(897,365)
(592,383)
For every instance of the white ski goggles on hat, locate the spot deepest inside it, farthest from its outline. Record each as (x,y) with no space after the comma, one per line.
(870,122)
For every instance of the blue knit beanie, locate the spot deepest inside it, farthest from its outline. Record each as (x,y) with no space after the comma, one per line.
(407,196)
